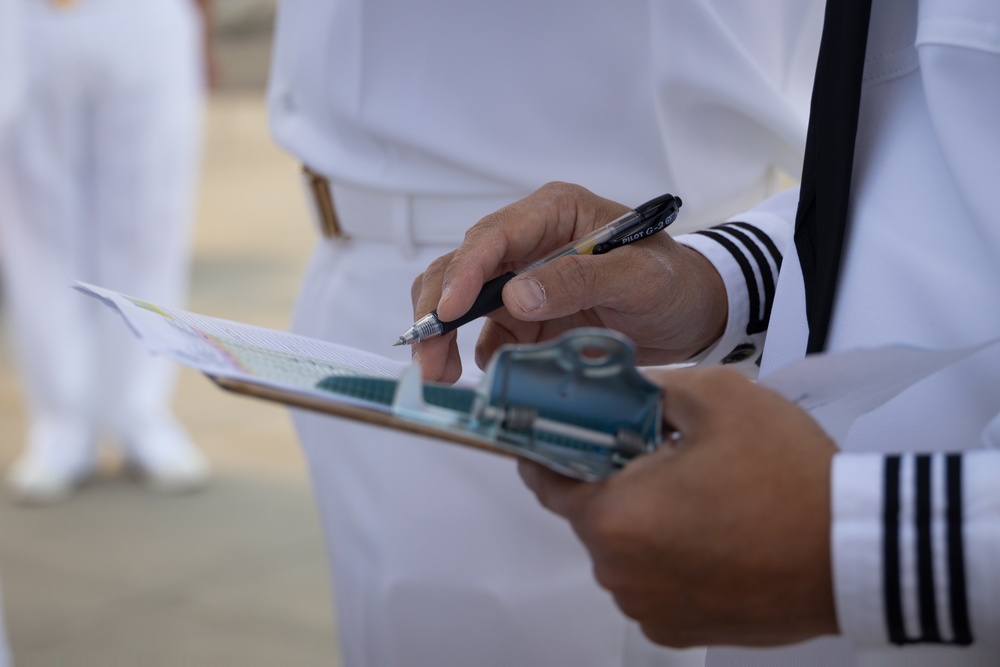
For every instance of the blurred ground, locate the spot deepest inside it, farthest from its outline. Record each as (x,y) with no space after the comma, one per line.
(234,575)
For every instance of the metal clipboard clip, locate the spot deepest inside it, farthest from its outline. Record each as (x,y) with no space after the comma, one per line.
(575,404)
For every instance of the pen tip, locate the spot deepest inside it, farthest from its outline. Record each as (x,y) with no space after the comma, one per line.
(399,341)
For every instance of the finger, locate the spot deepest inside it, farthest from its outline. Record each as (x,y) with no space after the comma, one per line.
(502,329)
(629,280)
(512,233)
(516,235)
(492,336)
(425,292)
(560,494)
(439,359)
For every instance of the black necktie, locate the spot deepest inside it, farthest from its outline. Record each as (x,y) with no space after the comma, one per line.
(821,220)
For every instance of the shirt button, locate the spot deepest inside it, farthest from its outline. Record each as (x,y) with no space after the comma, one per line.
(740,353)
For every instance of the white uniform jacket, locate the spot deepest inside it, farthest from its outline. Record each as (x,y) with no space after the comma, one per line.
(916,488)
(426,116)
(705,97)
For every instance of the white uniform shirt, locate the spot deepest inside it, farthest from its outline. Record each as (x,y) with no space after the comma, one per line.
(499,94)
(922,268)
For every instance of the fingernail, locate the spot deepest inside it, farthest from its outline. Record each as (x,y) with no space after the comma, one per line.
(528,294)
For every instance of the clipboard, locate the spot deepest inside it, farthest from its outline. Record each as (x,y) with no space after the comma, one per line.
(576,404)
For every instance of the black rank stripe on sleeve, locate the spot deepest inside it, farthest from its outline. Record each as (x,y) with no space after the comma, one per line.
(759,260)
(922,522)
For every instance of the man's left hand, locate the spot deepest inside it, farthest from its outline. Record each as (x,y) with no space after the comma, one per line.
(722,537)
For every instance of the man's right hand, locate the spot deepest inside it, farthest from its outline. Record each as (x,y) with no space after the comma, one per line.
(666,297)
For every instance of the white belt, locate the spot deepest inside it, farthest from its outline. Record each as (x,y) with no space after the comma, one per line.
(406,220)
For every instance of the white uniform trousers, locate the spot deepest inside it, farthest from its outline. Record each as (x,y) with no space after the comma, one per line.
(439,554)
(96,184)
(9,97)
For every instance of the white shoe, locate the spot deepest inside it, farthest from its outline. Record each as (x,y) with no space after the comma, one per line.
(57,460)
(165,459)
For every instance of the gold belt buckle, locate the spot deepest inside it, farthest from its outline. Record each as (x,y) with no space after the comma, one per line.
(319,188)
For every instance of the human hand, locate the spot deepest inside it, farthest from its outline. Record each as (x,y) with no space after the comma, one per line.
(666,297)
(723,537)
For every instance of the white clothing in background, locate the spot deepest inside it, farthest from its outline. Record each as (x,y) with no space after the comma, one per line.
(10,56)
(10,89)
(427,116)
(96,184)
(5,659)
(922,268)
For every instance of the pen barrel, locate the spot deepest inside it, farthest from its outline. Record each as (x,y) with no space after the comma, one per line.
(652,221)
(490,298)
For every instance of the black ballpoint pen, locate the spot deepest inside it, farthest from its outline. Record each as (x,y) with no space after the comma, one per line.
(642,221)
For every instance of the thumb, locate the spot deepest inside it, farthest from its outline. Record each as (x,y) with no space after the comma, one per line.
(571,284)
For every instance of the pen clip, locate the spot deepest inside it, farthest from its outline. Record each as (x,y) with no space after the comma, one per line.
(654,217)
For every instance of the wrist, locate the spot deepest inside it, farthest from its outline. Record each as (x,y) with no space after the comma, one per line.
(710,299)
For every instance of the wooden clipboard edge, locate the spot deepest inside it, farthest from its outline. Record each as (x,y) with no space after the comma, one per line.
(357,413)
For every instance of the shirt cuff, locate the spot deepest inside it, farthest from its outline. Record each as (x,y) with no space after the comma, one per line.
(856,540)
(747,252)
(915,544)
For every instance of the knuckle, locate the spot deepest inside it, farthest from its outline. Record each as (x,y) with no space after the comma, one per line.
(417,288)
(608,578)
(557,189)
(562,196)
(438,267)
(487,238)
(484,227)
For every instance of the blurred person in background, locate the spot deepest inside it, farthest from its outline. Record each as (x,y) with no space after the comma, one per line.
(10,68)
(97,176)
(414,120)
(9,93)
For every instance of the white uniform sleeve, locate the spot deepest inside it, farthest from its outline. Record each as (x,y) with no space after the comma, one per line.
(916,547)
(747,252)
